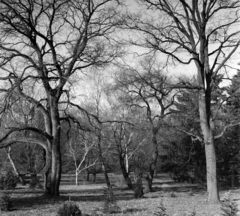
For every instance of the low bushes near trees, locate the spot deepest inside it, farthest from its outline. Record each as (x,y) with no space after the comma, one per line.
(229,208)
(5,202)
(110,203)
(69,208)
(8,180)
(35,183)
(161,210)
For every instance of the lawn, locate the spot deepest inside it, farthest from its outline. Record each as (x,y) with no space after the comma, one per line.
(178,198)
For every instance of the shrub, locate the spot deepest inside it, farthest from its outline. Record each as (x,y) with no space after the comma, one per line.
(138,189)
(161,210)
(173,195)
(110,204)
(69,208)
(9,180)
(193,213)
(229,207)
(5,202)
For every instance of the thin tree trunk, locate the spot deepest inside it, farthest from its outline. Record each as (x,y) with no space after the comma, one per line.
(103,163)
(153,163)
(47,186)
(88,174)
(106,175)
(76,178)
(20,176)
(11,160)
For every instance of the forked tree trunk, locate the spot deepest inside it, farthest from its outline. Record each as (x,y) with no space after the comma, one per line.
(125,172)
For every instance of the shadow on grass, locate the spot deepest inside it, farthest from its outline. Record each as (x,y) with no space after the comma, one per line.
(133,210)
(23,199)
(32,201)
(28,199)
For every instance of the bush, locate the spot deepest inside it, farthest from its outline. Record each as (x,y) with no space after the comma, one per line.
(69,208)
(9,180)
(162,211)
(110,204)
(138,189)
(5,202)
(229,207)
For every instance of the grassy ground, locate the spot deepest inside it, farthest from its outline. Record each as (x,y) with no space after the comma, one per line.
(179,199)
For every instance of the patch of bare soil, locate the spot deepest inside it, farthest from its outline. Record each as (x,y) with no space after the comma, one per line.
(179,200)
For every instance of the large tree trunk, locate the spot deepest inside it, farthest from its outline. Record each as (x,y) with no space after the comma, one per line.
(56,153)
(56,166)
(207,130)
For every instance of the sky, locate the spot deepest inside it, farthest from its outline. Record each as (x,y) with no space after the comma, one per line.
(174,71)
(187,70)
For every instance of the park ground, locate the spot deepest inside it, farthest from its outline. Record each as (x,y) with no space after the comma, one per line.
(179,199)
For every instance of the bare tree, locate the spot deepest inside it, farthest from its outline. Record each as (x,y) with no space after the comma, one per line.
(148,88)
(203,32)
(43,44)
(124,149)
(79,148)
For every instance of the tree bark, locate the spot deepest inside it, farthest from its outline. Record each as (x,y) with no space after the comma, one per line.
(47,171)
(20,176)
(153,163)
(56,153)
(207,130)
(56,168)
(205,80)
(125,172)
(102,161)
(76,178)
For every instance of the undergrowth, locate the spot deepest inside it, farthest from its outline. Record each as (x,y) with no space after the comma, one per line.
(228,207)
(69,208)
(5,202)
(110,204)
